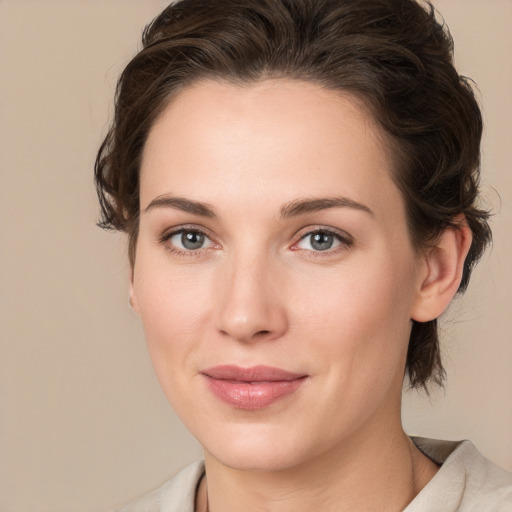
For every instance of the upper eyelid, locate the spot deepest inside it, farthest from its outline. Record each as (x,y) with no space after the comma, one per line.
(167,233)
(299,235)
(304,232)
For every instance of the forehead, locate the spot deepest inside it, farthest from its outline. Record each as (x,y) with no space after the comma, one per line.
(275,138)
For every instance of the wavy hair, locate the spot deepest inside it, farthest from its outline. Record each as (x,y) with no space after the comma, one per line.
(395,55)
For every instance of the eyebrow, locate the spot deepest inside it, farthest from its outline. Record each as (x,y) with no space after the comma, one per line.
(180,203)
(292,209)
(302,206)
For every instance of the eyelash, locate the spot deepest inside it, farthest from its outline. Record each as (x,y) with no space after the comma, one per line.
(343,238)
(167,235)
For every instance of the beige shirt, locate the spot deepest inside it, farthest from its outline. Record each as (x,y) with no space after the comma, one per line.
(466,482)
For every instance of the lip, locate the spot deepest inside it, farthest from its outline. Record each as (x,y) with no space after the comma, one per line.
(251,388)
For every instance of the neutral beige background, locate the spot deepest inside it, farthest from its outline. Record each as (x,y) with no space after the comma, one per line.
(84,425)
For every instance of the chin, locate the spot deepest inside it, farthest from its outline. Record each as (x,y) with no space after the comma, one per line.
(255,448)
(258,459)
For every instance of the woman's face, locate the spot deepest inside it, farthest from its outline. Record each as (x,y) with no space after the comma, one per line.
(274,273)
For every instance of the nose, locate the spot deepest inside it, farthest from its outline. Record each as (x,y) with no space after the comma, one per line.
(249,297)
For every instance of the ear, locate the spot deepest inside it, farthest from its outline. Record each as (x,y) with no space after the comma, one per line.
(442,271)
(132,295)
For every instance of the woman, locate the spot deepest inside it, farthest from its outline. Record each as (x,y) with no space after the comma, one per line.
(299,181)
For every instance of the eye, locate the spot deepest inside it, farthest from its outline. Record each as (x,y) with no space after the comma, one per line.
(186,240)
(322,240)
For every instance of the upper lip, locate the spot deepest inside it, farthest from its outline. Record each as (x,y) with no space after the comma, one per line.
(258,373)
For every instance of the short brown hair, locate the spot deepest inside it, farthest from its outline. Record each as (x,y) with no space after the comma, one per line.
(393,54)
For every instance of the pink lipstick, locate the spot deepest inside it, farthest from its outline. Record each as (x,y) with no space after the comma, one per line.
(251,388)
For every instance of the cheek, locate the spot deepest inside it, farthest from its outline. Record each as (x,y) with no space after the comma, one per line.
(356,335)
(359,316)
(173,305)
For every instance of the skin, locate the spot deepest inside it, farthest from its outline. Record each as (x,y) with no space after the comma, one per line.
(258,292)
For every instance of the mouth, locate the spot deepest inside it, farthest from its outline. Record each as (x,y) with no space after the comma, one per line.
(256,387)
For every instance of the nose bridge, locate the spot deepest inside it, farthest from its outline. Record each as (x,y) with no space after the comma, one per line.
(249,306)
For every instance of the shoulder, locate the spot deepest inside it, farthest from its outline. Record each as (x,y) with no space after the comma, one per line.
(175,495)
(466,481)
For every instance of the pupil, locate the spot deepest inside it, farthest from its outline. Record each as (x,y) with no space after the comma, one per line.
(192,239)
(322,241)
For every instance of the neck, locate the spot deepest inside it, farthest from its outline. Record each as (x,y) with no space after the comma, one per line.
(365,474)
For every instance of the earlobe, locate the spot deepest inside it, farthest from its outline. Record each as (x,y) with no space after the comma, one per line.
(443,267)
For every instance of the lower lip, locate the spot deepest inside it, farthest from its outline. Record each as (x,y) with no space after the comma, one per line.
(245,395)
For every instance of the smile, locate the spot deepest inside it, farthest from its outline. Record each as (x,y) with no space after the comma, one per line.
(251,388)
